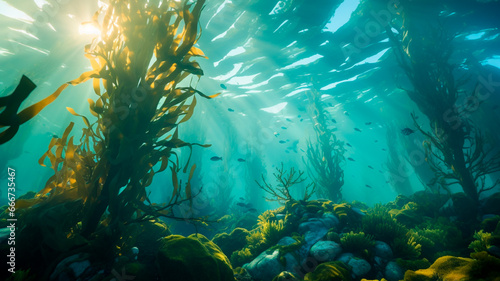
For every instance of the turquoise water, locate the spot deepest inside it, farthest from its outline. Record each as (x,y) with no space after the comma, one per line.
(319,139)
(264,58)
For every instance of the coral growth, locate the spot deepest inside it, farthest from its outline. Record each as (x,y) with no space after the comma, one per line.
(286,179)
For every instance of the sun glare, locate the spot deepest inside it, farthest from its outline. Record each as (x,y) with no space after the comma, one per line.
(89,28)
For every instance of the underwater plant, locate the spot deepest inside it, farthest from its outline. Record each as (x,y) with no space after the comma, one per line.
(11,103)
(324,158)
(456,149)
(357,242)
(286,179)
(379,223)
(481,243)
(143,53)
(272,229)
(406,247)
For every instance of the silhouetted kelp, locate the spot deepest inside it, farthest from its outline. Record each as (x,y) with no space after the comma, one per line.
(325,156)
(9,116)
(456,149)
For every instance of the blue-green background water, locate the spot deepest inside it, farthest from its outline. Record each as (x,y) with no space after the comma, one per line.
(263,56)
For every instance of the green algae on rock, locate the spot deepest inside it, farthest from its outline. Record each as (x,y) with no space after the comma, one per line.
(193,258)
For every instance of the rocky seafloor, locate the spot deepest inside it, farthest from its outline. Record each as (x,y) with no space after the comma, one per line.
(421,237)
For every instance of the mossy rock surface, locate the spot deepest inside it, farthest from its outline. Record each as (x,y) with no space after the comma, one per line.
(481,267)
(193,258)
(234,241)
(329,271)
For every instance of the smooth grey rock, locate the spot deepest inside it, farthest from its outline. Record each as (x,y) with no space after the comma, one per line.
(267,265)
(494,251)
(383,250)
(332,219)
(345,257)
(360,267)
(70,268)
(379,261)
(488,216)
(285,241)
(324,251)
(393,272)
(358,211)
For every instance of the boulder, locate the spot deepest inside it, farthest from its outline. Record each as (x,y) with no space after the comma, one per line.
(324,251)
(359,267)
(268,265)
(393,272)
(193,258)
(382,250)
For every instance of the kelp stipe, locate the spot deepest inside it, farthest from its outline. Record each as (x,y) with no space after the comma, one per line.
(456,149)
(326,155)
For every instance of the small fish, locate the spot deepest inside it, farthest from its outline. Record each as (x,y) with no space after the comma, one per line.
(334,121)
(284,128)
(216,158)
(407,131)
(301,119)
(230,110)
(356,129)
(383,149)
(346,113)
(368,123)
(370,167)
(55,136)
(330,104)
(241,160)
(376,140)
(276,134)
(252,210)
(367,185)
(223,86)
(288,119)
(282,141)
(348,144)
(302,150)
(241,198)
(350,159)
(244,205)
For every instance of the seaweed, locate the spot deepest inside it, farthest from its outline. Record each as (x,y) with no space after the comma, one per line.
(102,180)
(379,223)
(456,149)
(481,243)
(11,103)
(286,179)
(326,156)
(357,243)
(272,230)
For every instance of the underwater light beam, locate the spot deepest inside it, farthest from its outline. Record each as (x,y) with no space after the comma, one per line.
(88,28)
(275,108)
